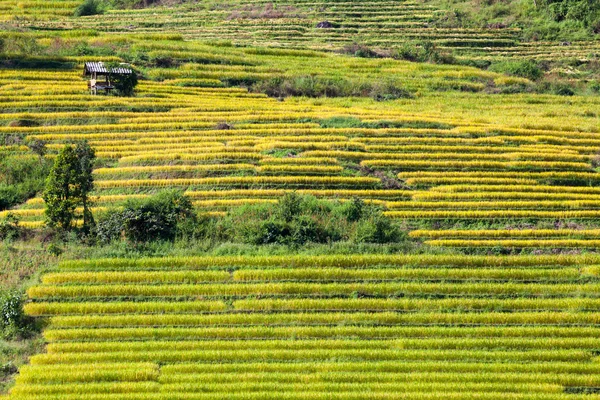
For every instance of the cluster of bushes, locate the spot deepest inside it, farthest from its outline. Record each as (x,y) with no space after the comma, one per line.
(317,86)
(416,51)
(586,12)
(360,50)
(13,321)
(422,51)
(9,228)
(161,217)
(295,220)
(521,68)
(89,7)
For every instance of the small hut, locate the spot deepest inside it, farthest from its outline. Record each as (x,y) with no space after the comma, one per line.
(100,76)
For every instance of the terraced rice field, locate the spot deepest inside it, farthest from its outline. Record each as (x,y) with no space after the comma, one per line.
(324,327)
(462,162)
(293,23)
(459,168)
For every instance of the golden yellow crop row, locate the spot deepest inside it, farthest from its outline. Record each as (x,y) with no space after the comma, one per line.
(502,233)
(535,243)
(243,180)
(500,214)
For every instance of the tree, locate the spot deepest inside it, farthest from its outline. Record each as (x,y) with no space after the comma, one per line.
(86,156)
(38,147)
(68,187)
(124,83)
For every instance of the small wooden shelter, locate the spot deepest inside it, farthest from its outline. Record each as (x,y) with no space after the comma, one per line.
(100,76)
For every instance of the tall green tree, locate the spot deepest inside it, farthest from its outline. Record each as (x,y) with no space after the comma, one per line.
(86,156)
(124,83)
(68,187)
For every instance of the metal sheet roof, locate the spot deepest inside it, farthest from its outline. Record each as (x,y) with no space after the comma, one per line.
(98,67)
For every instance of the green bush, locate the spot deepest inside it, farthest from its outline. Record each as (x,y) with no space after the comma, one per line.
(307,86)
(89,7)
(524,69)
(134,3)
(563,89)
(9,228)
(294,221)
(422,51)
(13,321)
(125,84)
(384,91)
(378,229)
(359,50)
(353,210)
(297,220)
(154,219)
(584,11)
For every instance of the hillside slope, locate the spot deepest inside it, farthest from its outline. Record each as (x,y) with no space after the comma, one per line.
(473,30)
(469,129)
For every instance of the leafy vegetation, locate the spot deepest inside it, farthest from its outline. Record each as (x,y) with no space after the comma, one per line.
(296,220)
(124,84)
(68,186)
(159,217)
(524,69)
(89,7)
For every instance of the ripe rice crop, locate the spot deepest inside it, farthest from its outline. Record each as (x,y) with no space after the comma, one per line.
(455,165)
(230,326)
(552,243)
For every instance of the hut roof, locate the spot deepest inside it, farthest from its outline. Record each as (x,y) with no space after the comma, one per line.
(99,68)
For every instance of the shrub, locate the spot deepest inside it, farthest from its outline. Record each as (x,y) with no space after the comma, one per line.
(377,229)
(289,206)
(266,232)
(358,50)
(296,220)
(13,321)
(55,249)
(308,86)
(124,83)
(155,218)
(384,91)
(10,309)
(353,210)
(524,69)
(110,227)
(422,51)
(89,7)
(9,228)
(563,89)
(584,11)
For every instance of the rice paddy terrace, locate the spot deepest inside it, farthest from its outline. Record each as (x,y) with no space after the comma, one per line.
(324,327)
(293,23)
(465,168)
(461,169)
